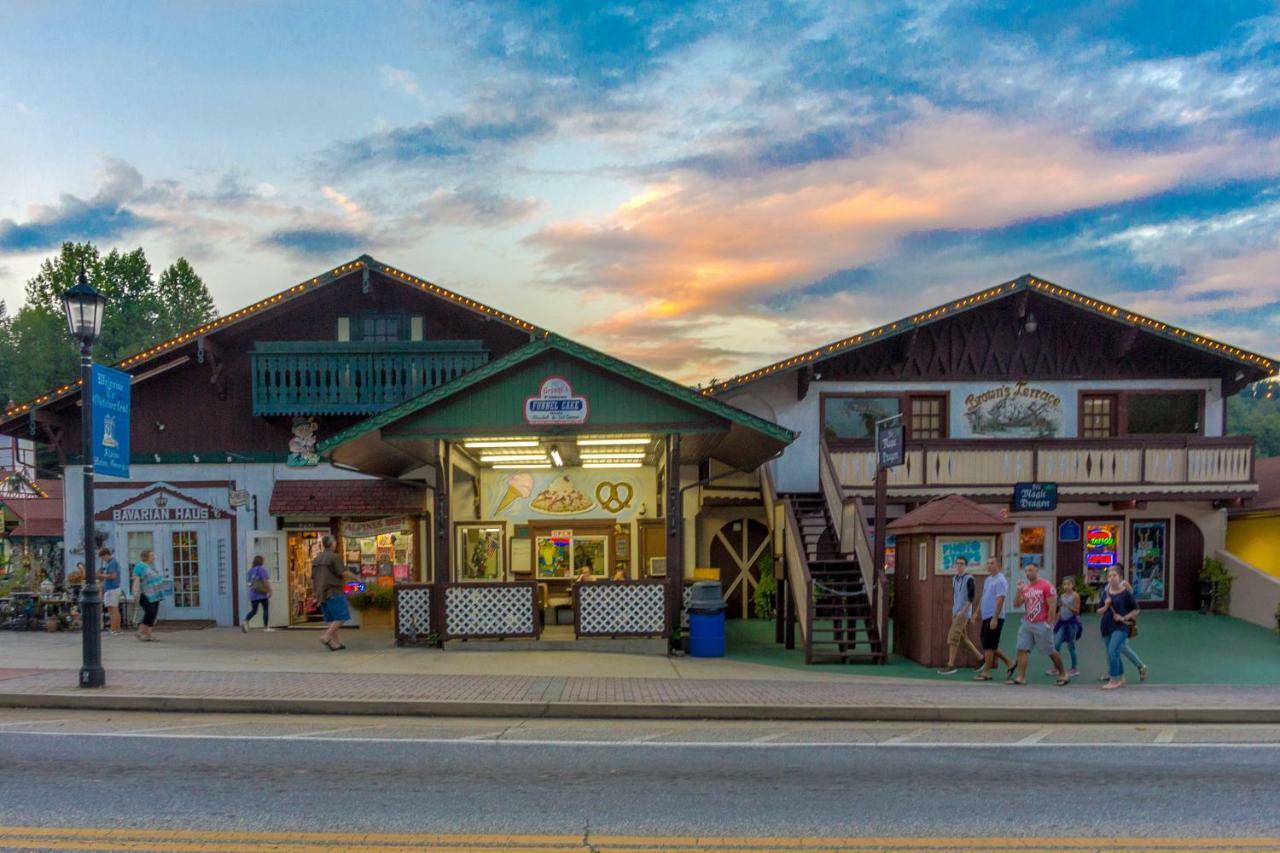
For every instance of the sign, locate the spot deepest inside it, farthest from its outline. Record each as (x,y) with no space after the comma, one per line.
(1101,550)
(238,497)
(1018,410)
(555,405)
(891,445)
(163,513)
(110,401)
(1035,497)
(1069,531)
(373,527)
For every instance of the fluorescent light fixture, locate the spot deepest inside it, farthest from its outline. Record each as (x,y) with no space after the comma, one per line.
(556,457)
(501,442)
(612,465)
(514,457)
(523,465)
(606,442)
(613,454)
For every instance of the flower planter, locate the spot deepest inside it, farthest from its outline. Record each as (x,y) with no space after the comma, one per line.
(377,619)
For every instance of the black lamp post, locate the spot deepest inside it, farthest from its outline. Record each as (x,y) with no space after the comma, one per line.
(84,308)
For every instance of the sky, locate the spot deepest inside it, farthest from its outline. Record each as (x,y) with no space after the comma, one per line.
(701,188)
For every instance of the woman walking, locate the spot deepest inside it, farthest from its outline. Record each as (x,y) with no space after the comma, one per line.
(1119,612)
(149,590)
(259,595)
(1068,628)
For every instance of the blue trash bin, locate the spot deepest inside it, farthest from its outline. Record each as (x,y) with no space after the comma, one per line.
(706,620)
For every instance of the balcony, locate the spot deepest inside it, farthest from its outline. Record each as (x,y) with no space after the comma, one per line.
(1152,466)
(337,378)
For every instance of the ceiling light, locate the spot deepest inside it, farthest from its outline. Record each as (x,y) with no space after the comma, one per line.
(514,457)
(612,465)
(598,442)
(613,454)
(501,442)
(524,465)
(556,457)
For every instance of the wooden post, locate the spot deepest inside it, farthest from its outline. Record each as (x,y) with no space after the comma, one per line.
(441,567)
(675,530)
(779,607)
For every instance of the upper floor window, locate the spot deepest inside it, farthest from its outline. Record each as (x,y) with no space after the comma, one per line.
(1098,416)
(374,327)
(853,418)
(1164,413)
(928,416)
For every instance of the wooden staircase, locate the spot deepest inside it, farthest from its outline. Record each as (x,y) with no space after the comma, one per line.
(841,622)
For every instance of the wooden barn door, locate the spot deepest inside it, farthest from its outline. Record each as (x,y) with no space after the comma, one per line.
(1188,559)
(736,550)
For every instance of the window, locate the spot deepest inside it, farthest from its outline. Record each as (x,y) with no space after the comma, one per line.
(1098,416)
(1164,414)
(380,328)
(854,418)
(928,416)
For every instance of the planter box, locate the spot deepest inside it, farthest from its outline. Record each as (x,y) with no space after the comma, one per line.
(378,620)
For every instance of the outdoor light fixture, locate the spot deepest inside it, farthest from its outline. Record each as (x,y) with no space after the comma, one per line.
(84,308)
(1031,325)
(501,442)
(620,464)
(523,465)
(556,457)
(621,454)
(514,457)
(606,442)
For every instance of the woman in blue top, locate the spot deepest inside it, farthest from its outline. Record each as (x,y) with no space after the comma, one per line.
(259,594)
(144,576)
(1119,612)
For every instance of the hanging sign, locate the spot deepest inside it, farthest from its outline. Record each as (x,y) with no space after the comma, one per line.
(1035,497)
(555,404)
(373,527)
(110,402)
(891,446)
(1069,531)
(238,497)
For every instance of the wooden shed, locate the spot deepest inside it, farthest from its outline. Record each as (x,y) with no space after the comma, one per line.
(929,539)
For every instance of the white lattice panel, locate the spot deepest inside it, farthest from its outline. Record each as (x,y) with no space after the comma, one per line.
(488,611)
(685,597)
(413,611)
(621,608)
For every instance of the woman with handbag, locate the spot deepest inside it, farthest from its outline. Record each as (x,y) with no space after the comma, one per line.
(259,595)
(1119,617)
(150,587)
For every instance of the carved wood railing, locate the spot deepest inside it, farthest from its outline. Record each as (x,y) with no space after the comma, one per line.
(852,532)
(799,580)
(1104,463)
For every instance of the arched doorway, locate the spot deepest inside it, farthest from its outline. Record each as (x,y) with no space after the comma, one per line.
(1188,559)
(736,550)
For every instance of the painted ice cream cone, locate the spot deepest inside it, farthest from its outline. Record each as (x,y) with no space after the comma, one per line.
(518,486)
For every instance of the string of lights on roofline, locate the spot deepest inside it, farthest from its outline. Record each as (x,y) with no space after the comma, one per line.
(294,291)
(1043,286)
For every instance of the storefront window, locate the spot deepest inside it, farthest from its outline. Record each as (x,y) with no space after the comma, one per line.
(480,553)
(303,546)
(379,550)
(1031,547)
(554,560)
(564,554)
(1101,550)
(1149,559)
(1164,414)
(854,418)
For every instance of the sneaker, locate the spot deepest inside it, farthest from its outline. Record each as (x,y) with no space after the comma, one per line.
(951,670)
(1050,671)
(244,626)
(268,630)
(1075,673)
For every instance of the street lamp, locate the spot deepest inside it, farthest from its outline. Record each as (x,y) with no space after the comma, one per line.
(84,308)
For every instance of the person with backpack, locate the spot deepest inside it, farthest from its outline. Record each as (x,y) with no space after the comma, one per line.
(259,595)
(150,587)
(963,593)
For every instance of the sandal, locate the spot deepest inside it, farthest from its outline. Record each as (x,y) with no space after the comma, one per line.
(1142,673)
(981,677)
(1062,682)
(336,648)
(1016,683)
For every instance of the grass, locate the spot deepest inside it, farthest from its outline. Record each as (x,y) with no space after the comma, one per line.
(1179,648)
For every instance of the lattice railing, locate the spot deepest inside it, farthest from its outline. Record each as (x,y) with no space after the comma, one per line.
(621,609)
(413,613)
(475,610)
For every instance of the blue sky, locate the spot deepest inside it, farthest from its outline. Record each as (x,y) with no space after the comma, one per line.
(700,187)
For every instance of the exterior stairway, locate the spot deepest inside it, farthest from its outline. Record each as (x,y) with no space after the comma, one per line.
(842,624)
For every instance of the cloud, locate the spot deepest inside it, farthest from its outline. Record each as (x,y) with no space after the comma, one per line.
(400,80)
(317,242)
(473,207)
(105,215)
(456,136)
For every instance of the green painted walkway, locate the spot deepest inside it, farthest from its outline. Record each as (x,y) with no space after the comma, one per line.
(1178,648)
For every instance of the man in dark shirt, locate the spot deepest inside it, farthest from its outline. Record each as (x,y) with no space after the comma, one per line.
(328,581)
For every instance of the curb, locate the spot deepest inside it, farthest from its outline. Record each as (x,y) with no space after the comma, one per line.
(631,711)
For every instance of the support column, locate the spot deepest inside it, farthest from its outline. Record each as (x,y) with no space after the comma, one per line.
(675,530)
(440,569)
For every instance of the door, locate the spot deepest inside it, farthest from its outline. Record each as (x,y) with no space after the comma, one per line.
(270,547)
(736,550)
(1149,554)
(1188,559)
(184,560)
(1031,543)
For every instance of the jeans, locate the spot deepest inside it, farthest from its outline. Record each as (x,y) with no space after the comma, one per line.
(1064,636)
(266,611)
(1127,651)
(1117,650)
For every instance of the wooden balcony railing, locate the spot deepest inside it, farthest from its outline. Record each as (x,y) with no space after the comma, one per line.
(335,378)
(1103,465)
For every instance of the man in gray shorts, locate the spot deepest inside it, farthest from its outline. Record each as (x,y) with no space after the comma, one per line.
(1040,601)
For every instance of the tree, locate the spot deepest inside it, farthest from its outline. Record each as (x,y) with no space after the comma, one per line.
(35,352)
(1255,411)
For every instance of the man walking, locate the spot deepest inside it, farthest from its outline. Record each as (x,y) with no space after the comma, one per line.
(995,589)
(111,591)
(963,594)
(1040,603)
(328,581)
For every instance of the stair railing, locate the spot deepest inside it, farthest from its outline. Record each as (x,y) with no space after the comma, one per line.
(799,580)
(852,533)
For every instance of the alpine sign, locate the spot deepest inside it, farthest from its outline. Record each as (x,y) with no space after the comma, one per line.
(111,421)
(555,405)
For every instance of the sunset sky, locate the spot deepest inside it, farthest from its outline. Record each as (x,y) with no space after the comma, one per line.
(701,188)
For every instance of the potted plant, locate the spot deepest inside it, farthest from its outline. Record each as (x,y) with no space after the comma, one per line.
(1215,584)
(375,604)
(764,598)
(677,641)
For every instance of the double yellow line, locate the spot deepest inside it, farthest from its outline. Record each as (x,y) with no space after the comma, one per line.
(196,841)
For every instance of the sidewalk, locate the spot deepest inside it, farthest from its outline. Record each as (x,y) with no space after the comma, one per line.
(223,670)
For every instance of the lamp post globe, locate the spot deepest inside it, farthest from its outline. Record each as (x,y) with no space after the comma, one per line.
(84,308)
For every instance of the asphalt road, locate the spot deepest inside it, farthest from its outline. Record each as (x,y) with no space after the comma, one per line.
(638,778)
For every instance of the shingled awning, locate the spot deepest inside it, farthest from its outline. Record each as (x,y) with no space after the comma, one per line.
(952,514)
(345,497)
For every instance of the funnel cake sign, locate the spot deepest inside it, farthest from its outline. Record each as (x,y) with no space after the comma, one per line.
(555,404)
(1016,410)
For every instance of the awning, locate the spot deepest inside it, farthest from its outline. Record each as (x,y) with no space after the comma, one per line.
(346,497)
(952,514)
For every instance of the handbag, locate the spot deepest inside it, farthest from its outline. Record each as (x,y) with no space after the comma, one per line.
(1133,630)
(259,586)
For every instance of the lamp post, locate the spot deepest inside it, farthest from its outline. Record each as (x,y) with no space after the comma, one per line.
(84,308)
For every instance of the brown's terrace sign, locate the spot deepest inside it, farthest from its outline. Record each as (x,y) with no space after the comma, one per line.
(1016,410)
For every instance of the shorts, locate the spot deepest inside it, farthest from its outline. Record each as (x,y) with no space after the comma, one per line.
(991,636)
(111,597)
(959,629)
(150,610)
(335,609)
(1035,635)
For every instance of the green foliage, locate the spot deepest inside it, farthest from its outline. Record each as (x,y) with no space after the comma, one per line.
(36,354)
(764,598)
(374,597)
(1216,572)
(1254,413)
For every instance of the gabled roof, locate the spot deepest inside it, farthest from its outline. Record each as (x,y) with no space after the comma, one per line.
(227,321)
(952,514)
(344,497)
(1266,366)
(546,343)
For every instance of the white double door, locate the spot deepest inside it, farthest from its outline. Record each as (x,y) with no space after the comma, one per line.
(182,552)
